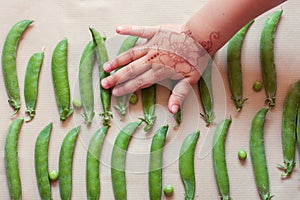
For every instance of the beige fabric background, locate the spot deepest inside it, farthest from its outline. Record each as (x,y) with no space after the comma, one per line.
(55,20)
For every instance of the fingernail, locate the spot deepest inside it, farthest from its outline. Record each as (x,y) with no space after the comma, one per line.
(174,108)
(104,83)
(115,92)
(106,66)
(119,29)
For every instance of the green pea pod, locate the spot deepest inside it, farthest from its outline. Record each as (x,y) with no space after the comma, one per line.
(288,130)
(148,101)
(93,162)
(267,56)
(206,94)
(298,125)
(102,57)
(65,163)
(86,82)
(177,116)
(9,54)
(41,162)
(186,164)
(118,159)
(219,158)
(59,68)
(155,163)
(31,83)
(234,54)
(258,157)
(11,159)
(122,101)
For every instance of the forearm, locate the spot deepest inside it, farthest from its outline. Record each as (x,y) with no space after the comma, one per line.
(218,20)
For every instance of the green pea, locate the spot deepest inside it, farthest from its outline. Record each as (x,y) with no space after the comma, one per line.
(77,103)
(31,83)
(61,79)
(219,158)
(258,157)
(41,162)
(93,163)
(186,164)
(155,163)
(234,54)
(9,54)
(53,175)
(11,159)
(66,162)
(288,130)
(168,190)
(133,99)
(86,82)
(257,86)
(242,154)
(267,56)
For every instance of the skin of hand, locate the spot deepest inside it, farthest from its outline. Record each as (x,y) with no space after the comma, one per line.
(152,62)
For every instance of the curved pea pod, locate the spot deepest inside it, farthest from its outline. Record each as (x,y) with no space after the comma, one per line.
(11,159)
(288,130)
(267,56)
(122,101)
(59,68)
(219,158)
(102,57)
(155,163)
(235,75)
(9,54)
(93,162)
(186,164)
(66,163)
(41,162)
(206,94)
(86,82)
(31,83)
(258,156)
(118,159)
(148,101)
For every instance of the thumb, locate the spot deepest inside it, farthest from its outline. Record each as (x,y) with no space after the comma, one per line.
(179,93)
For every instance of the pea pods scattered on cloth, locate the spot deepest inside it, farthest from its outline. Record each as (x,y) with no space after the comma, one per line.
(9,55)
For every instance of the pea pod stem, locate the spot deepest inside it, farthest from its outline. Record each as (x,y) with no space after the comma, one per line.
(93,162)
(206,94)
(86,82)
(219,158)
(288,130)
(267,56)
(118,159)
(186,164)
(11,159)
(155,163)
(148,101)
(258,156)
(235,76)
(31,83)
(9,54)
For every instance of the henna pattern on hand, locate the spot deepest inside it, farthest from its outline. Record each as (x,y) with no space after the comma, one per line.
(208,45)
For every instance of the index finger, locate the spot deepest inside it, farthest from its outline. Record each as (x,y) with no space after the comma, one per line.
(139,31)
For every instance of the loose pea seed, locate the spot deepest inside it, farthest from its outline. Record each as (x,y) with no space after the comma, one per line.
(257,86)
(53,175)
(77,103)
(168,190)
(133,98)
(242,154)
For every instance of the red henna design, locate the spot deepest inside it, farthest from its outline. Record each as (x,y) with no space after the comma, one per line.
(208,45)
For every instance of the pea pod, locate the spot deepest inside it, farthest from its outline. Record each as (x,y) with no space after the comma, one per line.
(288,130)
(235,75)
(65,163)
(298,125)
(267,56)
(219,158)
(206,94)
(102,57)
(155,163)
(118,159)
(122,101)
(186,164)
(11,159)
(41,162)
(9,54)
(177,116)
(148,101)
(258,157)
(92,163)
(61,80)
(31,84)
(86,82)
